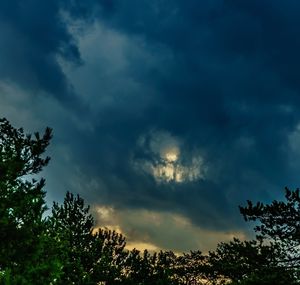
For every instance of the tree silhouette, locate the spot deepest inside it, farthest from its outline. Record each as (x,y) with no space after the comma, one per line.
(144,268)
(191,268)
(248,262)
(279,222)
(110,256)
(89,255)
(273,258)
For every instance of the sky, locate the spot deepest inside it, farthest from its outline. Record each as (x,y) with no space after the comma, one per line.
(166,114)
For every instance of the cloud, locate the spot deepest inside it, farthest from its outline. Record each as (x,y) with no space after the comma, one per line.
(167,160)
(168,231)
(33,37)
(165,106)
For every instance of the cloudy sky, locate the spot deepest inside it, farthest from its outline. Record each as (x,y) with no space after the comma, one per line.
(167,114)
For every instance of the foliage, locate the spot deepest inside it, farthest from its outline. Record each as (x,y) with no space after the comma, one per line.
(191,268)
(279,224)
(109,256)
(89,255)
(145,268)
(274,257)
(23,243)
(248,262)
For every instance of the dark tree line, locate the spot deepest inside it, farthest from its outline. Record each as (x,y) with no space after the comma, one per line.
(65,248)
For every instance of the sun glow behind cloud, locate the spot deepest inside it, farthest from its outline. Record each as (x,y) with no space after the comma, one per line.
(167,162)
(172,155)
(172,171)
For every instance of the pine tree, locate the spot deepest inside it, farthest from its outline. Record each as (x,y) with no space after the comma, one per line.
(24,255)
(89,255)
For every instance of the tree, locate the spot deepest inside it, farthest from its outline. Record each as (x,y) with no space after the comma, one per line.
(109,256)
(143,268)
(71,226)
(247,262)
(279,222)
(23,239)
(274,257)
(191,268)
(89,255)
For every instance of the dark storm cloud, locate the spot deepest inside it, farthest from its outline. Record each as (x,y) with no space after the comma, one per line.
(33,36)
(229,87)
(221,76)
